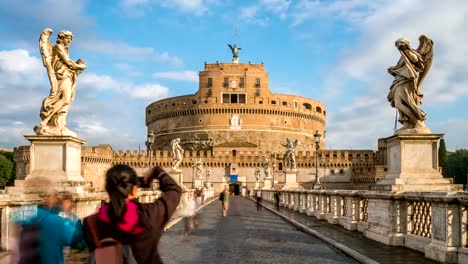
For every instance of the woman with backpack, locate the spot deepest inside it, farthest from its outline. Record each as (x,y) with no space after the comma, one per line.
(125,231)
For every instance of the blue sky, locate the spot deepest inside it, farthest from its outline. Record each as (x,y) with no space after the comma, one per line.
(139,51)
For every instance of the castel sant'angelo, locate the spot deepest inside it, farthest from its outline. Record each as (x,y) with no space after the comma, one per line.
(231,123)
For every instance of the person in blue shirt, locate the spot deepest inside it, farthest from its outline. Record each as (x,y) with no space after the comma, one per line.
(44,235)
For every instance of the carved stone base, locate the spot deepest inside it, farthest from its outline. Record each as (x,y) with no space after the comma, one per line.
(178,176)
(291,180)
(56,159)
(267,184)
(413,165)
(198,183)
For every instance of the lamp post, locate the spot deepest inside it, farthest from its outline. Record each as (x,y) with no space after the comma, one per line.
(317,149)
(273,173)
(149,145)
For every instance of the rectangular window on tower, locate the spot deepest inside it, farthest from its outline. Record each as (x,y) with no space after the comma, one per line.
(257,82)
(226,82)
(210,82)
(226,99)
(241,82)
(233,98)
(241,98)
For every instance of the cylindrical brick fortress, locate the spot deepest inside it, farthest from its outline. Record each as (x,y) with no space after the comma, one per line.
(234,107)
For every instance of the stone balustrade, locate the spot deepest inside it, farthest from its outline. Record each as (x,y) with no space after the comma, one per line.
(433,223)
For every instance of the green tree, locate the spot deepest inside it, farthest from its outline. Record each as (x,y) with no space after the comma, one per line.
(457,166)
(6,170)
(443,157)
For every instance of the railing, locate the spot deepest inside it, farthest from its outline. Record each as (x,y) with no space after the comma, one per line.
(433,223)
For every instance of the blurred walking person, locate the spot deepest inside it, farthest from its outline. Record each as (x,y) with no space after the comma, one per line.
(44,234)
(188,212)
(259,200)
(277,199)
(224,198)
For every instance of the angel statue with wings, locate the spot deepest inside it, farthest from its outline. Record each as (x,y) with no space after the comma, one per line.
(177,153)
(266,166)
(62,73)
(405,94)
(289,157)
(234,50)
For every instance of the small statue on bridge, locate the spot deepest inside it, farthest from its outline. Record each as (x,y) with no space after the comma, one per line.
(257,174)
(289,156)
(266,166)
(405,92)
(199,168)
(208,174)
(62,73)
(177,153)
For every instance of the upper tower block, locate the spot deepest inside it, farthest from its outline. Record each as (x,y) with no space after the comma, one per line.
(233,82)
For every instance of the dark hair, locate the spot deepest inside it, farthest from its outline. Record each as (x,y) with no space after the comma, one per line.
(120,180)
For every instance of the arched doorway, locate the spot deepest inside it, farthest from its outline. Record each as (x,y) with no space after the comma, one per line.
(235,188)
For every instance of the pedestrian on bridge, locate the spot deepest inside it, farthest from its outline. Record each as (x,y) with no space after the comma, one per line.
(259,200)
(224,197)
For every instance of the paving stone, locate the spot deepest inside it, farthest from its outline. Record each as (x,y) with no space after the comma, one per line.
(245,236)
(357,241)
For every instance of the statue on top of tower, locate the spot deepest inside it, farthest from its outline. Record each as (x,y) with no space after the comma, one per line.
(234,50)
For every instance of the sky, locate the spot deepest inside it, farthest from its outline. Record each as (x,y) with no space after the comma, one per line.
(141,51)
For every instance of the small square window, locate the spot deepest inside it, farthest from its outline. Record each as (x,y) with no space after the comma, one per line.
(285,103)
(273,102)
(260,102)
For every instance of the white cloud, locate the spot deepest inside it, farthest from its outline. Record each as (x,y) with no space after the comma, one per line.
(117,49)
(364,64)
(190,76)
(279,7)
(196,7)
(146,91)
(257,13)
(349,10)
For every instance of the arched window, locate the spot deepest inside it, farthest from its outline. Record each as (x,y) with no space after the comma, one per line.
(280,166)
(307,106)
(318,109)
(234,152)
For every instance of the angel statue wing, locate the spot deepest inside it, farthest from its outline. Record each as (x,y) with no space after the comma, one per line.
(45,48)
(296,143)
(230,46)
(425,49)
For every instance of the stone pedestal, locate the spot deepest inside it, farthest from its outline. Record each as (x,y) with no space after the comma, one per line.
(413,165)
(290,180)
(257,185)
(267,184)
(55,163)
(178,176)
(198,183)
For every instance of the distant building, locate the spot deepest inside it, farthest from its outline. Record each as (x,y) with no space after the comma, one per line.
(231,122)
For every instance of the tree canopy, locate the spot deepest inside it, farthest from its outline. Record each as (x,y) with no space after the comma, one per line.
(457,166)
(6,170)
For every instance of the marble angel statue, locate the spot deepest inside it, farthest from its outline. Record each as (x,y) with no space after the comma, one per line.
(405,92)
(177,153)
(289,156)
(62,73)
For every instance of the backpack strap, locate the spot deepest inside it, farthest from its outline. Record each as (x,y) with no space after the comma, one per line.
(92,223)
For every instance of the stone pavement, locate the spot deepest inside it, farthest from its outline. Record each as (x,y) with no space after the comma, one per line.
(357,241)
(245,236)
